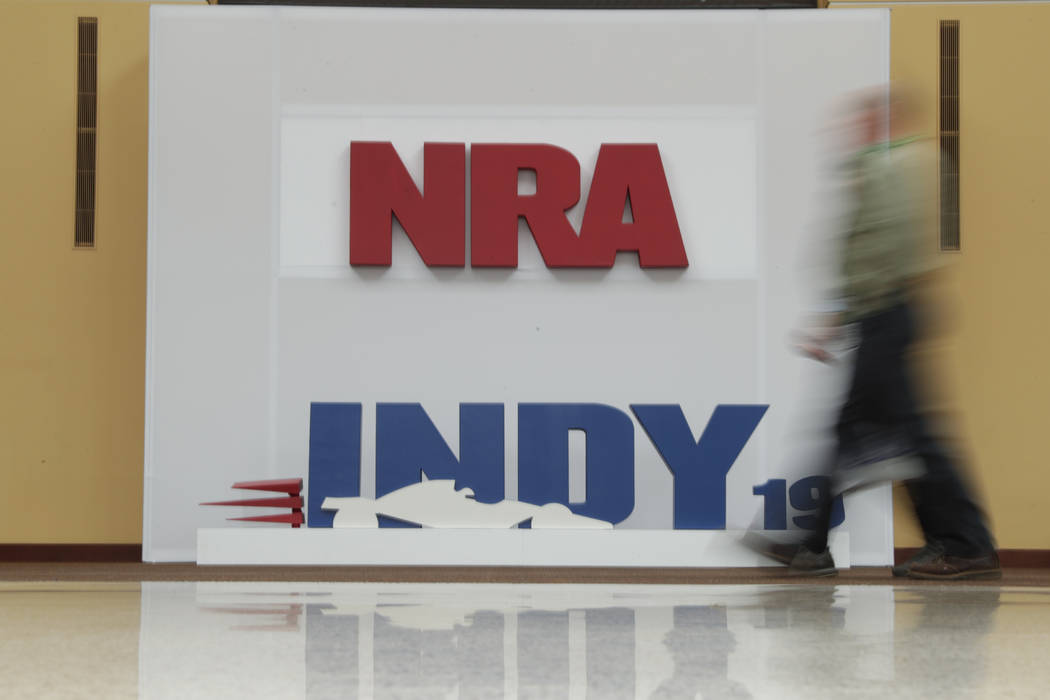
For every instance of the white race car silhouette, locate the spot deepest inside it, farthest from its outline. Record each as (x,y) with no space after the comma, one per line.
(437,503)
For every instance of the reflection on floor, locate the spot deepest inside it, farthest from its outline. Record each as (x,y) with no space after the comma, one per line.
(346,640)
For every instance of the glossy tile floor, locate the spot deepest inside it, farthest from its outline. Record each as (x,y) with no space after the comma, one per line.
(349,640)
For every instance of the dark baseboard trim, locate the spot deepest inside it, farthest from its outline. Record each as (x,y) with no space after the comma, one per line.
(1012,558)
(71,552)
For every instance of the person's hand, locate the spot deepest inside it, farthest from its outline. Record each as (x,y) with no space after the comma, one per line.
(812,342)
(813,350)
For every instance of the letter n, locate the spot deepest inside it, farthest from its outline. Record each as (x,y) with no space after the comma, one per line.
(408,445)
(381,188)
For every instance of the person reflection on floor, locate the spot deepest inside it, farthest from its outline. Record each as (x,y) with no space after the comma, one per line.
(960,620)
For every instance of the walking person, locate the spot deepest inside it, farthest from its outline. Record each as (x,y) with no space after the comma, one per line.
(881,266)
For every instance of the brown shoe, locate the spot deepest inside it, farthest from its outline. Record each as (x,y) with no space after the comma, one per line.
(929,552)
(806,562)
(949,568)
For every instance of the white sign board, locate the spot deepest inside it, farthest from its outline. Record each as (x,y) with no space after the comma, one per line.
(530,384)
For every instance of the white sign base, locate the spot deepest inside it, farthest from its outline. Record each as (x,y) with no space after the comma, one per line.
(484,547)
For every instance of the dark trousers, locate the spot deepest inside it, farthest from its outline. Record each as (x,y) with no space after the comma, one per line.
(882,397)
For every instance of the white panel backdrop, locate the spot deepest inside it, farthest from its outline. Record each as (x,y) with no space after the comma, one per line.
(254,313)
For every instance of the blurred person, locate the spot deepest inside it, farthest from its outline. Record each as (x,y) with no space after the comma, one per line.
(881,431)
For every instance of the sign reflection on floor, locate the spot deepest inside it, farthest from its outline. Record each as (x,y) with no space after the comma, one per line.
(364,640)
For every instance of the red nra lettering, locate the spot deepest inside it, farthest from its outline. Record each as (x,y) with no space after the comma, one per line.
(435,219)
(495,204)
(634,171)
(381,188)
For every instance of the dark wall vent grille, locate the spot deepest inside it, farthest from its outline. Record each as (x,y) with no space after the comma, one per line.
(949,135)
(87,122)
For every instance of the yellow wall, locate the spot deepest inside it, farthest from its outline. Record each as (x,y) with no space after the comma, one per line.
(72,350)
(72,355)
(997,369)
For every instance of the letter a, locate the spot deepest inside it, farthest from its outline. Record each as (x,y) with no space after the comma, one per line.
(636,171)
